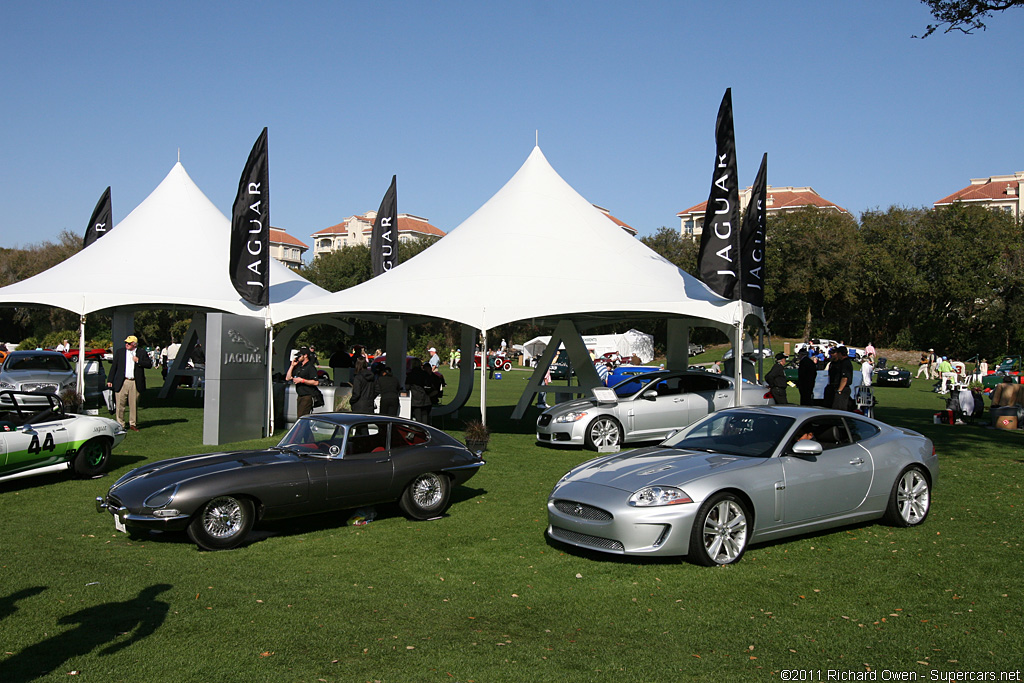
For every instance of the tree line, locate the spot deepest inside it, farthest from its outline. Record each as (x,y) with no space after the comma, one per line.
(950,278)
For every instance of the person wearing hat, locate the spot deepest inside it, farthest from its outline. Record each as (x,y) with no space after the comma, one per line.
(840,378)
(127,379)
(776,380)
(435,360)
(302,373)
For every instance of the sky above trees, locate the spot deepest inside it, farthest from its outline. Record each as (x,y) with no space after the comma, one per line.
(452,96)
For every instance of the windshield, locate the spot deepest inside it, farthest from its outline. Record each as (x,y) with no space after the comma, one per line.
(735,433)
(633,384)
(313,436)
(45,362)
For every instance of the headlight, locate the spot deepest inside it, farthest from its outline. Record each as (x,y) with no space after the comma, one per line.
(571,416)
(7,385)
(161,497)
(651,496)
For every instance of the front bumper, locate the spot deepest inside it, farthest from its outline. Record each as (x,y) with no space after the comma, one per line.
(599,518)
(125,518)
(565,433)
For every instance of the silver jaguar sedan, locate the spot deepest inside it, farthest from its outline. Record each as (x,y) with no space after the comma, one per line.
(36,373)
(643,407)
(745,475)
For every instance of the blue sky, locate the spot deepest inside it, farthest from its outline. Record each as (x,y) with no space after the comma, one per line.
(448,96)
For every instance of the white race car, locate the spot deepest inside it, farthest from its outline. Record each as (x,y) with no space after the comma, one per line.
(40,438)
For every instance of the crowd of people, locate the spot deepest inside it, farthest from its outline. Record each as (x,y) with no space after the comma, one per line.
(370,379)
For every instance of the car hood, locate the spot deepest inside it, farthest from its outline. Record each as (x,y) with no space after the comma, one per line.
(655,465)
(155,476)
(36,375)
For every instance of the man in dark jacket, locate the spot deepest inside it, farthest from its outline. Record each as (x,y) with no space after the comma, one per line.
(776,380)
(807,374)
(424,388)
(127,379)
(840,377)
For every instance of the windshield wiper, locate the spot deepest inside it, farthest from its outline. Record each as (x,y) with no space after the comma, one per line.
(287,449)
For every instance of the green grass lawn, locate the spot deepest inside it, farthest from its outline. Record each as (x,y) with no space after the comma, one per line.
(480,595)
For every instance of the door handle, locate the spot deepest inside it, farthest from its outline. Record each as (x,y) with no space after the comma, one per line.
(857,461)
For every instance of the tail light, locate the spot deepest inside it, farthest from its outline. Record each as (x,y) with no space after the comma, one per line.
(767,395)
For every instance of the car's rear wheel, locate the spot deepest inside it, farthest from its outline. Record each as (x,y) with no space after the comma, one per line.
(603,431)
(426,496)
(911,498)
(222,523)
(92,458)
(720,531)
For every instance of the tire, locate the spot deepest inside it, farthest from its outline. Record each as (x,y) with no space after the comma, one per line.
(507,366)
(720,531)
(911,498)
(222,523)
(92,458)
(427,496)
(603,431)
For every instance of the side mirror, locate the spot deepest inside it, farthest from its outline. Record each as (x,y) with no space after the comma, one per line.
(650,395)
(806,447)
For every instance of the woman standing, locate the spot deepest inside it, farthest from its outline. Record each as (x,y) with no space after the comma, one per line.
(364,388)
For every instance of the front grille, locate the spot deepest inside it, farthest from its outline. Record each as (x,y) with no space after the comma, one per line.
(40,387)
(544,420)
(586,540)
(583,511)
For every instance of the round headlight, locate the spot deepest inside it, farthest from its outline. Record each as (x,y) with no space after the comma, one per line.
(161,497)
(651,496)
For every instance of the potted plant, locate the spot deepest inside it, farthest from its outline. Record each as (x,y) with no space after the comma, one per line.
(477,436)
(72,400)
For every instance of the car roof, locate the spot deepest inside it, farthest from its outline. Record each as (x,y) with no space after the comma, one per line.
(36,352)
(795,411)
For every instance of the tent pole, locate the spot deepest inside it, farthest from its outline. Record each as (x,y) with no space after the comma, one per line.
(270,375)
(737,356)
(81,357)
(483,378)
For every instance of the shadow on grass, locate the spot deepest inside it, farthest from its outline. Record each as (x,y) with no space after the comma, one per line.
(7,604)
(115,625)
(308,524)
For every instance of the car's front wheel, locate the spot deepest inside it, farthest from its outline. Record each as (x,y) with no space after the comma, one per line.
(603,431)
(720,531)
(426,496)
(911,498)
(222,523)
(92,458)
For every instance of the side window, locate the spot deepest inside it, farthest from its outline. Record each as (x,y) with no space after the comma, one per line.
(692,384)
(403,435)
(861,430)
(367,437)
(830,432)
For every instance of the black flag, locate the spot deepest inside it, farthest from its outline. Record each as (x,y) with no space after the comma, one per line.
(101,221)
(718,259)
(384,239)
(752,236)
(249,261)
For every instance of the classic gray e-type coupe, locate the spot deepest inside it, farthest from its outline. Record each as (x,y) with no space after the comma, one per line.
(741,476)
(327,461)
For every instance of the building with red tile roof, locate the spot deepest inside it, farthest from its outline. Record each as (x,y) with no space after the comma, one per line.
(628,228)
(358,230)
(286,249)
(780,200)
(1000,192)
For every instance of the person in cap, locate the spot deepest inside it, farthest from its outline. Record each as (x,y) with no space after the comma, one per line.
(127,379)
(435,360)
(302,373)
(776,380)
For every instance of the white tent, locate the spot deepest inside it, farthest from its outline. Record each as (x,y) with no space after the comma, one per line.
(629,343)
(172,250)
(536,249)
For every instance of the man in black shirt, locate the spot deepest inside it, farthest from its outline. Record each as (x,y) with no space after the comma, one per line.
(302,373)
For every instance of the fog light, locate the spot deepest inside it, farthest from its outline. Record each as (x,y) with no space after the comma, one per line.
(165,513)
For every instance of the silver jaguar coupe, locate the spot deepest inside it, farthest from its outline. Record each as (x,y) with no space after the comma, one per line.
(643,407)
(741,476)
